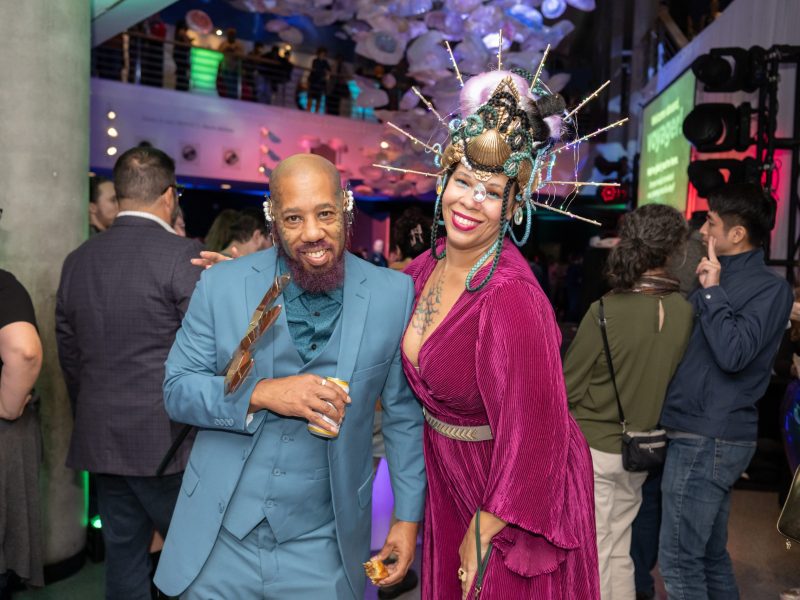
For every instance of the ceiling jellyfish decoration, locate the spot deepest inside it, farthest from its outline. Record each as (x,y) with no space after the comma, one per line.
(431,36)
(386,30)
(552,9)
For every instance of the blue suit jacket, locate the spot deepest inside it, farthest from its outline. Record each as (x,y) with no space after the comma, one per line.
(375,310)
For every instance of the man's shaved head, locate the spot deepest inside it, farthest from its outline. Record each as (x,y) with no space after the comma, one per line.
(309,222)
(300,166)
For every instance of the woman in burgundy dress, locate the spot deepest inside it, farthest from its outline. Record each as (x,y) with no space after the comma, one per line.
(482,354)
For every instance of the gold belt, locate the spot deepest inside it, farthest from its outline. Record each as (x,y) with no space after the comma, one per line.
(475,433)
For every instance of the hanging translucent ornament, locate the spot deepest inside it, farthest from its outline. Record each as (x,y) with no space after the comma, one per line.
(552,9)
(479,193)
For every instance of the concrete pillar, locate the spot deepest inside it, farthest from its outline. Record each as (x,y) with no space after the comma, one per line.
(44,162)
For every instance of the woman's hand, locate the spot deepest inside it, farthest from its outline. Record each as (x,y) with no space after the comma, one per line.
(490,527)
(469,559)
(209,259)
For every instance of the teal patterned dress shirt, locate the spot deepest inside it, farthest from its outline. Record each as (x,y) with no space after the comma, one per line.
(312,317)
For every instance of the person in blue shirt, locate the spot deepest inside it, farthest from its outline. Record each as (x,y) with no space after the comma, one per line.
(741,311)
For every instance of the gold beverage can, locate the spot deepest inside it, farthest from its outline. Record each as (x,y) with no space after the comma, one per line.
(324,433)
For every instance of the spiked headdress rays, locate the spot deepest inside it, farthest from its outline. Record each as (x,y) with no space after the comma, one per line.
(509,124)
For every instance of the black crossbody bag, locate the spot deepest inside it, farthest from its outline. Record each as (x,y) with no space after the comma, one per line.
(641,450)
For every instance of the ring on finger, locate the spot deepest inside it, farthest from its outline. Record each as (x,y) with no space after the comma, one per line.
(462,574)
(323,382)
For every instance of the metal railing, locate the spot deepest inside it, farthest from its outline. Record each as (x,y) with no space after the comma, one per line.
(665,40)
(141,59)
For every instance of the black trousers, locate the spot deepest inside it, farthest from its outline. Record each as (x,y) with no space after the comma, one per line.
(130,508)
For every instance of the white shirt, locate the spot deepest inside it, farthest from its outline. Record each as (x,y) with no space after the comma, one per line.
(147,215)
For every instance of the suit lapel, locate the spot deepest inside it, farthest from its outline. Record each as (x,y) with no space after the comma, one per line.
(256,285)
(354,311)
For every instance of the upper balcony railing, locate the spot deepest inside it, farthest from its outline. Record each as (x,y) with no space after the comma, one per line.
(666,39)
(141,59)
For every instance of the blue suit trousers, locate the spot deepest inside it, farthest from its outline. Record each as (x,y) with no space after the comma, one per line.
(258,567)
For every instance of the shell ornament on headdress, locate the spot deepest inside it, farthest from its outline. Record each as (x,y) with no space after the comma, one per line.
(509,124)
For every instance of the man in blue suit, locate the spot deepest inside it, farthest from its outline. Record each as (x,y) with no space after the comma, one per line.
(267,510)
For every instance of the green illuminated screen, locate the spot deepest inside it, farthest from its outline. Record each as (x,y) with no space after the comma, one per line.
(204,67)
(665,150)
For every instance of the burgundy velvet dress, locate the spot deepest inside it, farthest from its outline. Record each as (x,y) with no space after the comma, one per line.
(495,359)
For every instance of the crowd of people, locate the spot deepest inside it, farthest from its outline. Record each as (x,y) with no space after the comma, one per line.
(258,74)
(294,363)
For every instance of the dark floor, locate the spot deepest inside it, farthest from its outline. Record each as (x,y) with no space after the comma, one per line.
(763,566)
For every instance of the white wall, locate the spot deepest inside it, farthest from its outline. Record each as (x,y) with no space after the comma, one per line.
(171,120)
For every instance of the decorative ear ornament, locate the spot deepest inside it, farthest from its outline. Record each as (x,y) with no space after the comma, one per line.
(518,216)
(524,210)
(268,211)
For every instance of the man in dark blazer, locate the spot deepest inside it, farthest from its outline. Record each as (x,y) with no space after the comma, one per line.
(121,299)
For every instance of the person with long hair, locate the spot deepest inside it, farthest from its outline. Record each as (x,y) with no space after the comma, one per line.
(648,325)
(219,235)
(509,509)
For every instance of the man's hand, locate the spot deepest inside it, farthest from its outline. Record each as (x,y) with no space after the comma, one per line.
(402,543)
(306,396)
(709,269)
(209,259)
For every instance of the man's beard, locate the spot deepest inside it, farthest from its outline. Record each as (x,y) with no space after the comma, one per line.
(315,282)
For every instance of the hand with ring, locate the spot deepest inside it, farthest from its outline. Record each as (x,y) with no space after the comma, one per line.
(306,396)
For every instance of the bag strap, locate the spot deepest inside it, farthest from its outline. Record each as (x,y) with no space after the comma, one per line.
(483,562)
(607,351)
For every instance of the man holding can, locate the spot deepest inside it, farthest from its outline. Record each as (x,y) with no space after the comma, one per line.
(268,509)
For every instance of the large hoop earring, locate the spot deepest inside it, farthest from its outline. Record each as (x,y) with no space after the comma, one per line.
(528,226)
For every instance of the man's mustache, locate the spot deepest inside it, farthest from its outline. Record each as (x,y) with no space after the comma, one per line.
(313,247)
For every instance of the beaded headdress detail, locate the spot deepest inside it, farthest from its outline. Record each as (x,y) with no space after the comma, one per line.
(510,124)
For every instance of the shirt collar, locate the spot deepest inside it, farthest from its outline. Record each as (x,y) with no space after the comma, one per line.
(743,260)
(293,291)
(147,215)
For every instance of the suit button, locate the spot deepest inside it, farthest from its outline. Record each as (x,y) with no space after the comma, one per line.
(313,346)
(285,438)
(270,504)
(276,472)
(221,507)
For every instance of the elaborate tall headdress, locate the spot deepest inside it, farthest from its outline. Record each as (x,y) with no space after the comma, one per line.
(509,124)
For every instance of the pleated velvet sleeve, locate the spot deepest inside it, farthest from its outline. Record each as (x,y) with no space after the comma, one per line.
(521,383)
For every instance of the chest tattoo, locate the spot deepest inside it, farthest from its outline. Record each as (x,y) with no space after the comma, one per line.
(427,307)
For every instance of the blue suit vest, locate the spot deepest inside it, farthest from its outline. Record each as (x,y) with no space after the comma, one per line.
(287,478)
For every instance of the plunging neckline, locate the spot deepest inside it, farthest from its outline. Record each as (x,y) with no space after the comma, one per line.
(417,367)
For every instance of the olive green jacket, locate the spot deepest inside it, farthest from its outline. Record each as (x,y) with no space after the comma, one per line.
(645,358)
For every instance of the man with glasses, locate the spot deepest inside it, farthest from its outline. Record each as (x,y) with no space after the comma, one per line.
(121,299)
(267,509)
